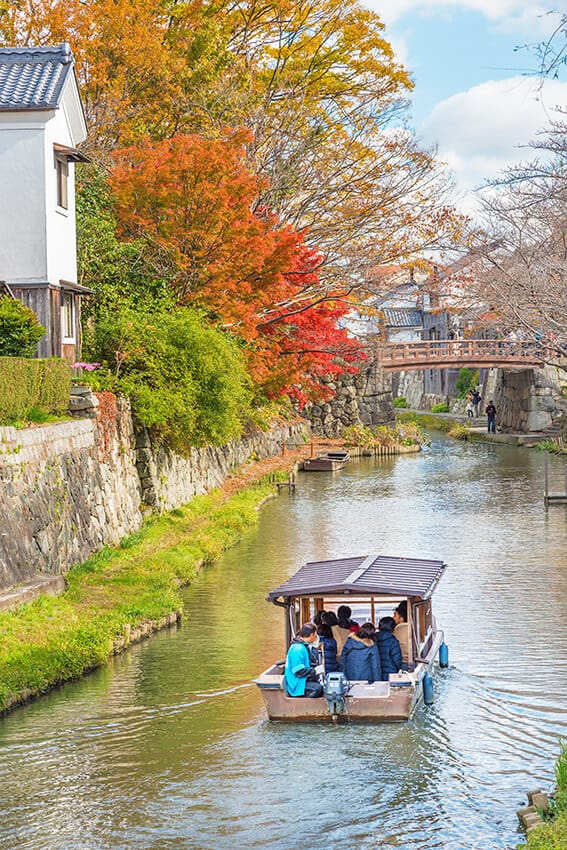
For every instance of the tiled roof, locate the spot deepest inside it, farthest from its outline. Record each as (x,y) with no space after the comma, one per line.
(33,77)
(403,318)
(382,574)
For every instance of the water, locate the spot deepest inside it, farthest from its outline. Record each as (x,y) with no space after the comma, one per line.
(168,748)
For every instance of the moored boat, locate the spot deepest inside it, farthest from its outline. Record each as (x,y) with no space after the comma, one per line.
(326,462)
(372,586)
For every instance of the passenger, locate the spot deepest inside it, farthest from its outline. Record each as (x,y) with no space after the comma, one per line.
(354,628)
(402,632)
(388,648)
(329,645)
(359,659)
(343,615)
(340,633)
(301,675)
(329,618)
(318,618)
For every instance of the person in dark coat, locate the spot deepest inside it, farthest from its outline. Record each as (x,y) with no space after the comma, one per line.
(359,659)
(491,417)
(329,645)
(388,648)
(344,617)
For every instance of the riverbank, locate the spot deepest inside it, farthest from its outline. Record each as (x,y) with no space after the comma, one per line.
(445,422)
(125,593)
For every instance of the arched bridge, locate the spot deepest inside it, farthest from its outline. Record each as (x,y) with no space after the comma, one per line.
(458,353)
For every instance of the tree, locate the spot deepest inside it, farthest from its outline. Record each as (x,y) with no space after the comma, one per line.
(521,264)
(186,380)
(20,330)
(193,198)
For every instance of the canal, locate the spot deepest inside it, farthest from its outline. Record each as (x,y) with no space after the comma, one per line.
(168,748)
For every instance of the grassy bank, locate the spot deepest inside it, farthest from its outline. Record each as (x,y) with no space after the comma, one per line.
(55,639)
(552,835)
(426,421)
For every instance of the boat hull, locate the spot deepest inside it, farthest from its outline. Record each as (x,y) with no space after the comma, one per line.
(383,702)
(398,706)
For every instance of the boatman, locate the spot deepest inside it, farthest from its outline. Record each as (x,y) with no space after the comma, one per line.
(301,674)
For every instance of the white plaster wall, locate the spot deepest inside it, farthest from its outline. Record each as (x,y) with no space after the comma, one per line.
(60,223)
(23,247)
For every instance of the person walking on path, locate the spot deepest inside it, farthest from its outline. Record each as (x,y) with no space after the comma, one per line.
(491,414)
(476,402)
(470,406)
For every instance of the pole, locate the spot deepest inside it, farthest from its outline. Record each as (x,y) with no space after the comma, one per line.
(546,493)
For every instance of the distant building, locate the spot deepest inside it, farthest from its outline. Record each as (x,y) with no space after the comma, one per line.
(42,123)
(409,313)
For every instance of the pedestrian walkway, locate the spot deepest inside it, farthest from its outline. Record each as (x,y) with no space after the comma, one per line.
(478,428)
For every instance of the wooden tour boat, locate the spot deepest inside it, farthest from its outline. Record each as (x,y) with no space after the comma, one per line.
(372,586)
(326,462)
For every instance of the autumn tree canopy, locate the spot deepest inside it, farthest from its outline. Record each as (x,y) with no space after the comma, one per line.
(194,198)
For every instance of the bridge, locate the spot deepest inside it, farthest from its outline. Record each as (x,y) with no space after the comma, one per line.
(458,353)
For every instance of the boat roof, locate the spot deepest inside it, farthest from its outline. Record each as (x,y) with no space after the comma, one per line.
(364,574)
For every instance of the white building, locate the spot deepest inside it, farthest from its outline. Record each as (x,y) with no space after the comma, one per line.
(41,124)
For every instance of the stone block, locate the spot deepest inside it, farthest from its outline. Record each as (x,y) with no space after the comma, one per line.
(539,800)
(528,810)
(538,420)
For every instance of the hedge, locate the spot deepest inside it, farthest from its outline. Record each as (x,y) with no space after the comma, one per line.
(24,384)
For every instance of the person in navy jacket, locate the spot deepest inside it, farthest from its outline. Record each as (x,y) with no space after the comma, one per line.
(359,659)
(329,645)
(388,647)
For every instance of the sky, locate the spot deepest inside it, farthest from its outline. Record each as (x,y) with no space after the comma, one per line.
(473,96)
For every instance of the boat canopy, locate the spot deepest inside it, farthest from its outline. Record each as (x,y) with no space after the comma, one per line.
(372,574)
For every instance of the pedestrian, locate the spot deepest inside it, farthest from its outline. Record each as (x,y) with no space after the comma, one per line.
(470,406)
(491,414)
(475,401)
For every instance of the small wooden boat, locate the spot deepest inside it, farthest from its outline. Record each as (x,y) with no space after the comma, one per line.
(372,586)
(326,462)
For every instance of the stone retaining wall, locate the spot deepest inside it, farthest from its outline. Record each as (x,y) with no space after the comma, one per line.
(69,488)
(361,399)
(528,400)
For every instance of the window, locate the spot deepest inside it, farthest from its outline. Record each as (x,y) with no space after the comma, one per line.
(62,168)
(68,316)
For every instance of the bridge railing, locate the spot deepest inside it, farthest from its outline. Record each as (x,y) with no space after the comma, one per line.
(478,351)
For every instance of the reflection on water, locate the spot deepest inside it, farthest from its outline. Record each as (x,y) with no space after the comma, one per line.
(168,746)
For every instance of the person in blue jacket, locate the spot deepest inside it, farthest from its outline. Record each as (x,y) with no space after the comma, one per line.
(389,648)
(301,674)
(329,645)
(359,659)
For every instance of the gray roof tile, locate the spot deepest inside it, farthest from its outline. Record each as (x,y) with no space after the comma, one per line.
(33,77)
(403,318)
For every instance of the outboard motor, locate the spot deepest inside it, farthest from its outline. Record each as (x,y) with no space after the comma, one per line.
(336,689)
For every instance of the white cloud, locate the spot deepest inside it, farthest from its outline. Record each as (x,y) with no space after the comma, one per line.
(517,15)
(479,132)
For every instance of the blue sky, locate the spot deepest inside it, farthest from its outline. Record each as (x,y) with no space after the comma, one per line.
(472,97)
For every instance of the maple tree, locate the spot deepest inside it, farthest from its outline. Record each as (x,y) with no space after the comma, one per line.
(194,197)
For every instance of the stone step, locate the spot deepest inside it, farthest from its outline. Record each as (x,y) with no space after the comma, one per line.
(39,585)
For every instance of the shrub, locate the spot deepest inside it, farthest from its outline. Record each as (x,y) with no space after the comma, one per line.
(400,402)
(20,330)
(357,435)
(459,432)
(37,386)
(442,407)
(186,380)
(467,380)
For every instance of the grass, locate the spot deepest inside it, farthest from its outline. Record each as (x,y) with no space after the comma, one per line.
(56,639)
(429,423)
(552,834)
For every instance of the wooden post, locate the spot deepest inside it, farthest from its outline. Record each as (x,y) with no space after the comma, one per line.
(546,491)
(283,449)
(312,449)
